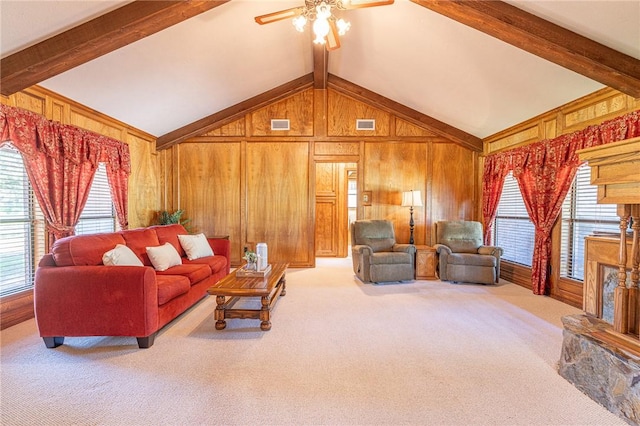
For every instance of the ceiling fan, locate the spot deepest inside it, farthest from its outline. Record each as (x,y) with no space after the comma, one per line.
(326,27)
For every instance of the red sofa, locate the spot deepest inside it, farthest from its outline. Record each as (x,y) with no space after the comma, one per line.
(77,295)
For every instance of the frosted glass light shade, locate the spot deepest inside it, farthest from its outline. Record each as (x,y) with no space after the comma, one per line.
(411,199)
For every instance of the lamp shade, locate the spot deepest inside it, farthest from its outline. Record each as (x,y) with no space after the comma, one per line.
(411,199)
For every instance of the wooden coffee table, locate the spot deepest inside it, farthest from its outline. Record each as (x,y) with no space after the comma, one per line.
(267,288)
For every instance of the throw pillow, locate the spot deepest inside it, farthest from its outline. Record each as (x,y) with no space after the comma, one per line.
(196,246)
(164,257)
(121,255)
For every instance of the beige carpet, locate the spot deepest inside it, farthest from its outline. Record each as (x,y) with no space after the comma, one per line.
(339,352)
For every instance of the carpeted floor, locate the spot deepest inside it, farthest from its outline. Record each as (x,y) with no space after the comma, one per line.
(339,352)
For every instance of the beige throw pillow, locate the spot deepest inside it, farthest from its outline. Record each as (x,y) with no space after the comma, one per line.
(196,246)
(121,255)
(163,257)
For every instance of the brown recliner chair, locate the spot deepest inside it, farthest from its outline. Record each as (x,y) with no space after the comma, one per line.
(462,257)
(376,256)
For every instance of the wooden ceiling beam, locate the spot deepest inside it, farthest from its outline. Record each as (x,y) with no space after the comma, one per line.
(544,39)
(93,39)
(417,118)
(234,112)
(320,66)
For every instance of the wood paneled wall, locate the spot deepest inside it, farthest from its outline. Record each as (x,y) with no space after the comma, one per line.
(255,184)
(593,109)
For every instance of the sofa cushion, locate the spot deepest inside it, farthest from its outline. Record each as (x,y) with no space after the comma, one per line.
(459,235)
(170,287)
(194,273)
(163,257)
(390,258)
(121,255)
(196,246)
(83,250)
(169,234)
(138,240)
(215,263)
(471,259)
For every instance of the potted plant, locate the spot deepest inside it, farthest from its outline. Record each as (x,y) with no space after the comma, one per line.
(166,218)
(252,260)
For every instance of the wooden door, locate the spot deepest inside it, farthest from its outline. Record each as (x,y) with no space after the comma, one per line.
(331,230)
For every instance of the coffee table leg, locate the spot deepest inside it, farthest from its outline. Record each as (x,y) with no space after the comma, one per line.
(284,285)
(265,325)
(219,313)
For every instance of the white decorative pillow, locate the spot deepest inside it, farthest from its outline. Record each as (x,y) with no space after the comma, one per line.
(164,257)
(121,255)
(196,246)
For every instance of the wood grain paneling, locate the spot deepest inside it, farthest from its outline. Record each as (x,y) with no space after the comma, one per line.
(344,111)
(453,190)
(337,148)
(236,128)
(390,169)
(144,183)
(610,105)
(297,108)
(278,201)
(404,128)
(326,233)
(31,101)
(90,122)
(331,212)
(209,190)
(326,180)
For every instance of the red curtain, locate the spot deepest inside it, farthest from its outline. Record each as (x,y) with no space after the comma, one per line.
(60,161)
(496,168)
(544,171)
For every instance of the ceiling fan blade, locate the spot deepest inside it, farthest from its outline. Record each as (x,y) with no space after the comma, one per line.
(333,40)
(359,4)
(279,16)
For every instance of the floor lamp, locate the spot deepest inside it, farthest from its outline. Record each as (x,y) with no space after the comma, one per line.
(411,199)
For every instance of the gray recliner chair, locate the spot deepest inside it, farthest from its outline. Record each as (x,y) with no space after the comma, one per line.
(376,256)
(462,257)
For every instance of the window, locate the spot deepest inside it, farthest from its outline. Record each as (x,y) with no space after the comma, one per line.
(582,216)
(21,225)
(513,230)
(98,214)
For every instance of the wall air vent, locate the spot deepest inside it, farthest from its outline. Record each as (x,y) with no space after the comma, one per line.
(368,124)
(280,124)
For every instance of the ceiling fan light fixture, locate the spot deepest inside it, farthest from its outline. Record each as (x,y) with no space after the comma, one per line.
(343,26)
(321,29)
(299,22)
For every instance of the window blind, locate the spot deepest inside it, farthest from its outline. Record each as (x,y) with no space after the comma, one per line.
(21,225)
(582,216)
(513,230)
(98,214)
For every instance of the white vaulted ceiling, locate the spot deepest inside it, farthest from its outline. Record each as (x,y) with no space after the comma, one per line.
(404,52)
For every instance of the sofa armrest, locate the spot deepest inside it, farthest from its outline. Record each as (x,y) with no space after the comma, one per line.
(406,248)
(362,249)
(442,249)
(96,301)
(443,257)
(222,247)
(491,250)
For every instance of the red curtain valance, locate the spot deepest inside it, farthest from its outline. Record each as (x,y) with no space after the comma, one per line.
(30,132)
(60,161)
(544,171)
